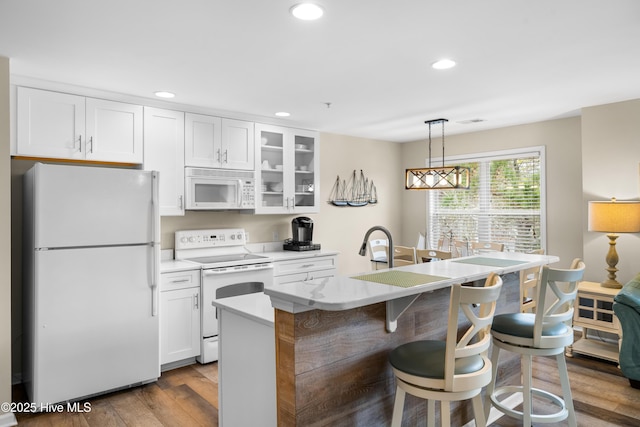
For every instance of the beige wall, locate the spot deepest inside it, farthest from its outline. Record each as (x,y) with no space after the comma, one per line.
(5,240)
(335,228)
(564,174)
(610,168)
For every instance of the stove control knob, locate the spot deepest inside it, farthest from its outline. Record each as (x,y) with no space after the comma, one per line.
(184,240)
(239,236)
(192,239)
(233,237)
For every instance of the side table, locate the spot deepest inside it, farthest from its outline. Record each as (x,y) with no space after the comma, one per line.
(594,310)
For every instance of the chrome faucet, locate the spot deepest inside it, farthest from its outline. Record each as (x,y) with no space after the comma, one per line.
(363,248)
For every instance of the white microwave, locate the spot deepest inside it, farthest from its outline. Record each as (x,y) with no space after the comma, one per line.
(211,189)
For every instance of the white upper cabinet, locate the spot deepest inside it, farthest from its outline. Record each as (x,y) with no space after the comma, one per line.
(218,143)
(288,170)
(164,152)
(238,146)
(114,131)
(60,125)
(50,124)
(202,140)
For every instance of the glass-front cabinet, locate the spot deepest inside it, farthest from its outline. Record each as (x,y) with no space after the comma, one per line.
(287,170)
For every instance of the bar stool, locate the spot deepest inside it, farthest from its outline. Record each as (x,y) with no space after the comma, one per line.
(427,255)
(403,255)
(544,333)
(482,247)
(529,279)
(452,369)
(378,253)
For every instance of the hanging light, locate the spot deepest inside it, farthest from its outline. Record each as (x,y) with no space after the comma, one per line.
(437,178)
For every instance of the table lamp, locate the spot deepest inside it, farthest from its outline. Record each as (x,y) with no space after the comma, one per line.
(614,217)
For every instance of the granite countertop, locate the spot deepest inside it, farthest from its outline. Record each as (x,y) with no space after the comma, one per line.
(282,255)
(343,293)
(275,252)
(172,265)
(256,306)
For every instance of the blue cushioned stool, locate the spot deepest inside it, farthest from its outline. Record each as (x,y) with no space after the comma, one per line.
(544,333)
(451,370)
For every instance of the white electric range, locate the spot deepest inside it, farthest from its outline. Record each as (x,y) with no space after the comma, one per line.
(227,268)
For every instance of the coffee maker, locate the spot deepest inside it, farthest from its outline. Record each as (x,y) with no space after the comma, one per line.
(302,235)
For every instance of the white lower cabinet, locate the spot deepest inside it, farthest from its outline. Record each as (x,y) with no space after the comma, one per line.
(179,316)
(301,269)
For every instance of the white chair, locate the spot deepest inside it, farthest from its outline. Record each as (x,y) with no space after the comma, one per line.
(482,247)
(451,370)
(427,255)
(529,279)
(403,255)
(545,333)
(378,253)
(460,248)
(445,243)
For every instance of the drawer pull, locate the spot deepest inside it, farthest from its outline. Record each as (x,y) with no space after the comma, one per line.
(181,281)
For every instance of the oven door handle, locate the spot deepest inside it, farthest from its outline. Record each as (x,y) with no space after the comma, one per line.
(220,271)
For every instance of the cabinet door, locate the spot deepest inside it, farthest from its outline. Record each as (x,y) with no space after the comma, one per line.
(50,124)
(305,174)
(288,170)
(164,152)
(238,146)
(270,162)
(180,324)
(114,131)
(303,277)
(202,141)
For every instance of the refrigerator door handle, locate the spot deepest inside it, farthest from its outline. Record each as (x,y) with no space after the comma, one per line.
(155,243)
(154,248)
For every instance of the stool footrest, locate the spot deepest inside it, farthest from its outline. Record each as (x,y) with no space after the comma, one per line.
(562,414)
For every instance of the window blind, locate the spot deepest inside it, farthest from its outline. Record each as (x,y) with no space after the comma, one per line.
(504,203)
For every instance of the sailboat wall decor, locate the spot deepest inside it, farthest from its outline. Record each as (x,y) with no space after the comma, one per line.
(358,191)
(337,196)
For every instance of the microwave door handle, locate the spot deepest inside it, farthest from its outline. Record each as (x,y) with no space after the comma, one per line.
(239,193)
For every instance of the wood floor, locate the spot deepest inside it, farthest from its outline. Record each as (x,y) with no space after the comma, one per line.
(188,397)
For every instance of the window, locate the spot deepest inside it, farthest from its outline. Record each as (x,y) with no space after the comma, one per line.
(504,204)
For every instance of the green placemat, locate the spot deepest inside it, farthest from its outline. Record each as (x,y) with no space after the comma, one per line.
(492,262)
(404,279)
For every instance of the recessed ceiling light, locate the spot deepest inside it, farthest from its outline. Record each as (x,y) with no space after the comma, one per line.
(307,11)
(282,114)
(443,64)
(163,94)
(469,121)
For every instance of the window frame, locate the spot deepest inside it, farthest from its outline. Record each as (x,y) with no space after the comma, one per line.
(487,157)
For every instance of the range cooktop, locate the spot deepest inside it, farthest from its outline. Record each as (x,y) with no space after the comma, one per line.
(226,258)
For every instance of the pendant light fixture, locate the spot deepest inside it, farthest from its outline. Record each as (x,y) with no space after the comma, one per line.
(437,178)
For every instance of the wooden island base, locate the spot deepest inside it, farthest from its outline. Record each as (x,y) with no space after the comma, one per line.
(332,366)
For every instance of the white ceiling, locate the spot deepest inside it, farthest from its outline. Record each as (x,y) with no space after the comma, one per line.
(519,61)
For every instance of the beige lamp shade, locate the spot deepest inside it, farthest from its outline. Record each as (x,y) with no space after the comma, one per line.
(614,216)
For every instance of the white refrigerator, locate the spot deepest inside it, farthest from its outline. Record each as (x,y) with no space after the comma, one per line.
(91,258)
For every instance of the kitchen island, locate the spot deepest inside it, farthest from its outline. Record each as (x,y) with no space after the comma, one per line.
(332,336)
